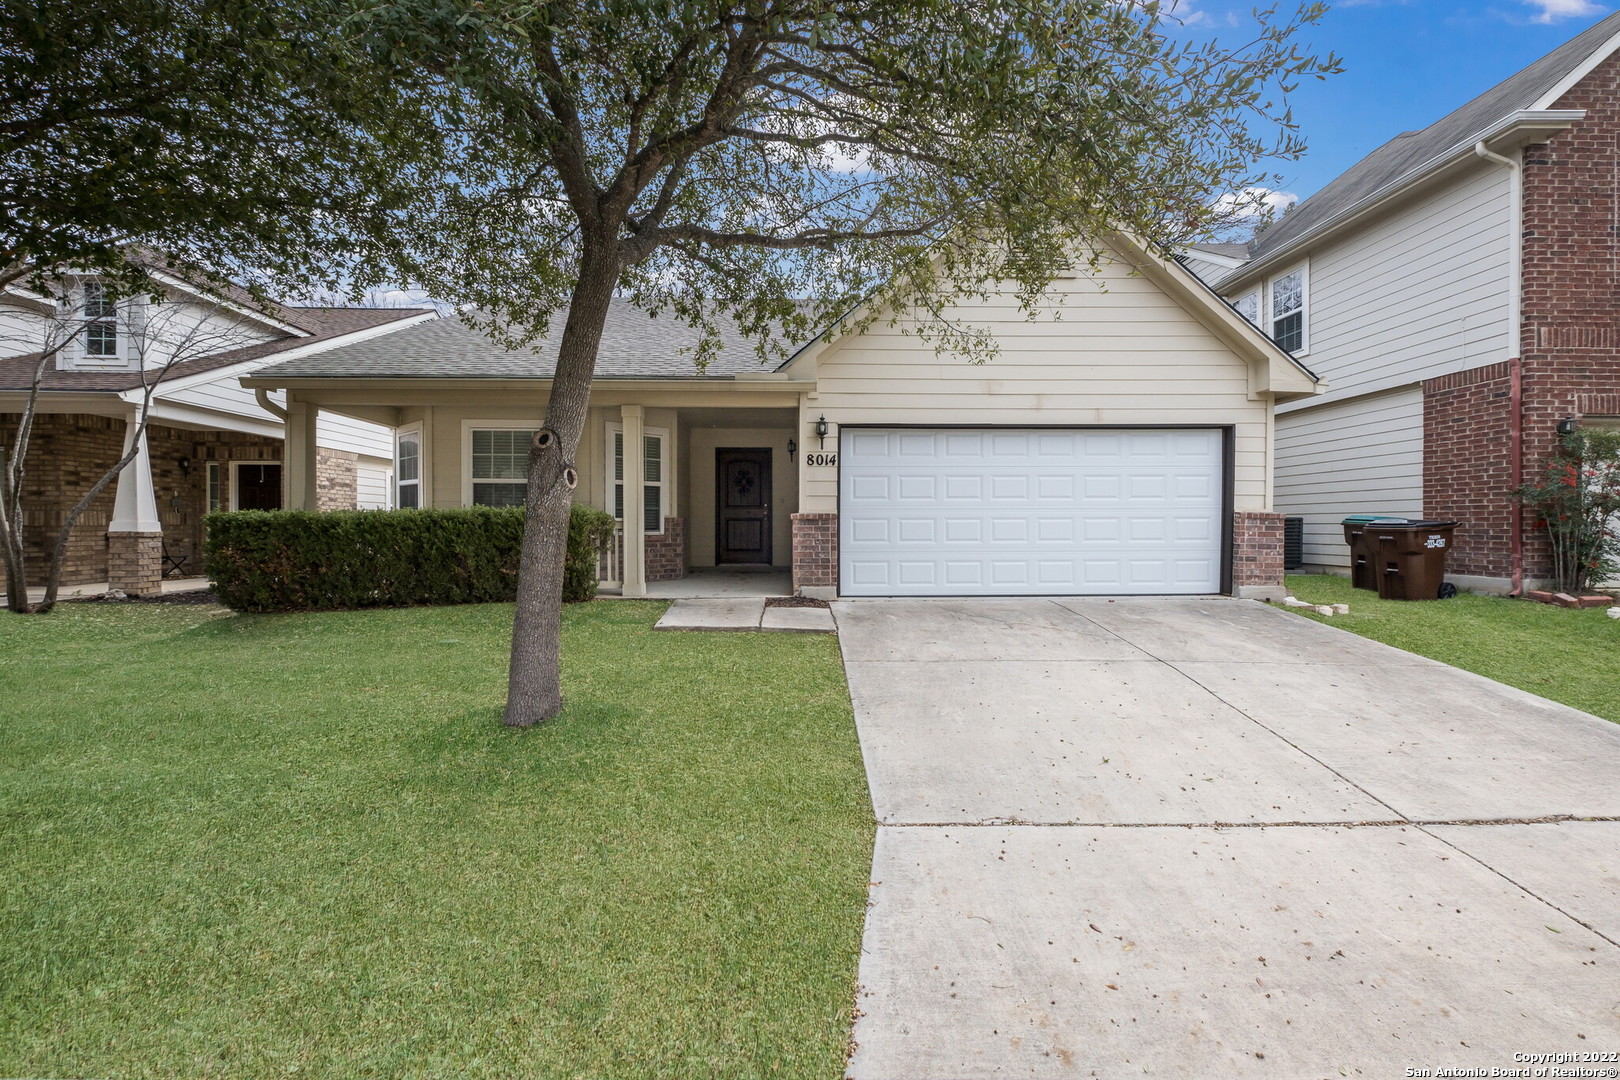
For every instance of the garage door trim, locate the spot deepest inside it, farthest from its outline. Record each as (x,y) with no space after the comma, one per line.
(1228,433)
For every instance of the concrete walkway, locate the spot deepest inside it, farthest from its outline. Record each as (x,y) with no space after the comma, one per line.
(1208,838)
(745,614)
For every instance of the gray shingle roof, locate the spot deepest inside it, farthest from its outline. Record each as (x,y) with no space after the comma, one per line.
(1387,164)
(1230,251)
(634,345)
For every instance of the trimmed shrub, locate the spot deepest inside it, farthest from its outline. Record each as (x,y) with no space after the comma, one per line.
(296,560)
(589,530)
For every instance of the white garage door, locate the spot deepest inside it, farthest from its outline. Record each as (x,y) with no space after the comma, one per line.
(1011,511)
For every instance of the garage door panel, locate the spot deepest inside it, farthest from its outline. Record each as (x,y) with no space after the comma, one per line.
(1023,512)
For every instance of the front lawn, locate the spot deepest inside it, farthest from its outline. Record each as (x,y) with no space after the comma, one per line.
(1568,656)
(302,845)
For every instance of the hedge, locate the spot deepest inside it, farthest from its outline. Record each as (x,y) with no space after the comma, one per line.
(297,560)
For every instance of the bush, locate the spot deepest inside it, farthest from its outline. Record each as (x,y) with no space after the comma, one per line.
(295,560)
(1576,499)
(589,530)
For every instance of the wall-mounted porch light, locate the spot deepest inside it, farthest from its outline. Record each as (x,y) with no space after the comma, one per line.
(821,430)
(793,448)
(1566,426)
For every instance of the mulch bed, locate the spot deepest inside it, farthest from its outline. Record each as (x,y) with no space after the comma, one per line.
(795,601)
(198,596)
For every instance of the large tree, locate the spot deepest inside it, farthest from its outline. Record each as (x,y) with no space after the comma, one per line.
(234,135)
(740,157)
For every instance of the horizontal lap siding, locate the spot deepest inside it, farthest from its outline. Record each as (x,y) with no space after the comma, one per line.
(1355,457)
(1125,356)
(1420,293)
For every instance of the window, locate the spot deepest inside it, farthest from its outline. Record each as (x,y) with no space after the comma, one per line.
(1249,307)
(654,473)
(215,492)
(1288,311)
(500,466)
(408,471)
(100,321)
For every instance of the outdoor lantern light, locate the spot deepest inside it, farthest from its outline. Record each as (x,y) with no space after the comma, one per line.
(185,466)
(821,430)
(793,448)
(1566,426)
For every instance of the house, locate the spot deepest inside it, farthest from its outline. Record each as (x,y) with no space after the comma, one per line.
(1118,444)
(1456,289)
(209,444)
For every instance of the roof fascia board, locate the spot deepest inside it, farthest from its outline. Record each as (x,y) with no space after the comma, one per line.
(263,317)
(720,384)
(94,402)
(1516,129)
(212,419)
(1581,71)
(1187,252)
(323,345)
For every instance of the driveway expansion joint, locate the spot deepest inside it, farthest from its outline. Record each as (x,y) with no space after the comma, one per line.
(1018,823)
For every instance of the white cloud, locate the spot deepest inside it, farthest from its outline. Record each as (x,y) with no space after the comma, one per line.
(1255,203)
(1555,10)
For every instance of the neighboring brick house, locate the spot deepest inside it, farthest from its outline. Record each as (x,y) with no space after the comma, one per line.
(1458,292)
(1124,448)
(209,444)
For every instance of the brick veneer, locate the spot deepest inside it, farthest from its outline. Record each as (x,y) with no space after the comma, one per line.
(336,480)
(135,562)
(1257,548)
(815,550)
(666,552)
(70,452)
(1466,466)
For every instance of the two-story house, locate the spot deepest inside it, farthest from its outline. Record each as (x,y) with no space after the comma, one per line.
(1456,291)
(209,443)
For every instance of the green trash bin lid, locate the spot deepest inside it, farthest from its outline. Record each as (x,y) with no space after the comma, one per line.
(1367,519)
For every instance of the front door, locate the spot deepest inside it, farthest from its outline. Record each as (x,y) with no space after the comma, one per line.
(742,527)
(258,487)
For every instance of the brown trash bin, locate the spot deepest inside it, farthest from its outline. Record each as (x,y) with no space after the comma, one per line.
(1363,556)
(1410,558)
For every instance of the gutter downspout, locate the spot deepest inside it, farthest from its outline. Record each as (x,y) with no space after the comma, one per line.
(263,398)
(1515,362)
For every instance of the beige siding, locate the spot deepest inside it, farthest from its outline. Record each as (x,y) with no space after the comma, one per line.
(1125,356)
(1355,457)
(1419,293)
(700,483)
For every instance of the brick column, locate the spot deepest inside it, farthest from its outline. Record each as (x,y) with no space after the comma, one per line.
(135,562)
(815,554)
(666,552)
(1257,554)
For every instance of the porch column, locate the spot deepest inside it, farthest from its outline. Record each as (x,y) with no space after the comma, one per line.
(300,455)
(635,535)
(135,534)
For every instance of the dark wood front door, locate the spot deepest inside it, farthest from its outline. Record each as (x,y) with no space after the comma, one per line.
(742,527)
(258,487)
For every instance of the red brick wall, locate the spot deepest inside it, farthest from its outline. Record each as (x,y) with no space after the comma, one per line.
(666,552)
(1466,460)
(69,452)
(1257,548)
(815,550)
(1570,340)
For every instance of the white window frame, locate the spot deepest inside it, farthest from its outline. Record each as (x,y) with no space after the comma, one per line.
(410,431)
(236,485)
(76,354)
(467,429)
(664,484)
(1270,325)
(214,481)
(1255,295)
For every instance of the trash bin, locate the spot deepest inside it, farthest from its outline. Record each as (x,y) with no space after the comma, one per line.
(1362,556)
(1409,557)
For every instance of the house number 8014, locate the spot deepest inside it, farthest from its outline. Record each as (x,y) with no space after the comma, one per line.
(821,459)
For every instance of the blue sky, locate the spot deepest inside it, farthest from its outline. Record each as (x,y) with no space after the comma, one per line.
(1406,64)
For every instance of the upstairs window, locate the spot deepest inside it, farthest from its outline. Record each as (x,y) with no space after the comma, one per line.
(97,344)
(500,466)
(1249,307)
(1288,311)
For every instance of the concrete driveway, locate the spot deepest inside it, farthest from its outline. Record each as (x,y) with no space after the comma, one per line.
(1204,838)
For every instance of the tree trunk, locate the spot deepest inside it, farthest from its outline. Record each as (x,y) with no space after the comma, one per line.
(534,688)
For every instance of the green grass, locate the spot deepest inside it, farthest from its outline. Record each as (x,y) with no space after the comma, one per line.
(303,845)
(1566,655)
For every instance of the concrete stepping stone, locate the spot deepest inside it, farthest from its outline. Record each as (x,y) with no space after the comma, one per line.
(797,620)
(725,614)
